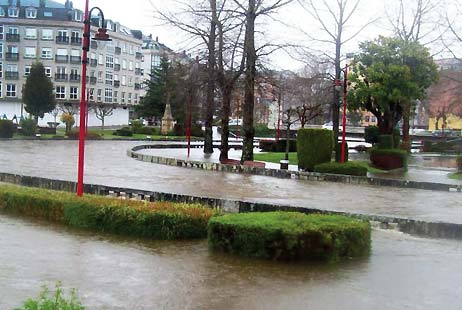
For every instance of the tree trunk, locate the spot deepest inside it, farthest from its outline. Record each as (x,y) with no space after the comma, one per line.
(406,144)
(248,108)
(102,123)
(226,111)
(287,139)
(208,142)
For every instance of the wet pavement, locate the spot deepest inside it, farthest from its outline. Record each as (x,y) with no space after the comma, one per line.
(108,164)
(402,272)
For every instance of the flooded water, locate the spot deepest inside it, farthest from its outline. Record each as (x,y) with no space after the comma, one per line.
(402,272)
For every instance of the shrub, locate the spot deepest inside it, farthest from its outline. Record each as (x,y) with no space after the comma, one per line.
(6,129)
(386,142)
(75,134)
(314,146)
(348,168)
(338,152)
(277,146)
(69,120)
(290,235)
(262,131)
(371,134)
(136,125)
(179,130)
(56,301)
(123,132)
(157,220)
(147,131)
(28,127)
(389,159)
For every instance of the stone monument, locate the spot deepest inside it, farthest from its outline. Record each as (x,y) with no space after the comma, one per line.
(167,120)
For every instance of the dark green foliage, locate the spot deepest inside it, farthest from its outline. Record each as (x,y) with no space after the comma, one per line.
(180,131)
(53,301)
(442,146)
(262,131)
(388,159)
(371,134)
(386,142)
(277,146)
(123,132)
(136,125)
(396,138)
(6,129)
(159,220)
(38,93)
(147,131)
(314,146)
(348,168)
(28,127)
(75,134)
(338,152)
(290,236)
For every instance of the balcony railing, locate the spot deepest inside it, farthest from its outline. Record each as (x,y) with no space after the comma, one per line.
(137,86)
(12,37)
(76,59)
(61,77)
(11,75)
(93,62)
(137,71)
(62,58)
(62,40)
(118,50)
(116,83)
(74,77)
(92,79)
(116,67)
(76,41)
(11,56)
(138,55)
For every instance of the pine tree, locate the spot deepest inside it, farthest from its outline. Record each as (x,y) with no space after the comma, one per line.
(38,95)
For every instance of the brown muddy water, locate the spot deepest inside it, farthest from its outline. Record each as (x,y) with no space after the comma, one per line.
(403,272)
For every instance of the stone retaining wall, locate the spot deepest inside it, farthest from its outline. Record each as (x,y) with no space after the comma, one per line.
(308,176)
(416,227)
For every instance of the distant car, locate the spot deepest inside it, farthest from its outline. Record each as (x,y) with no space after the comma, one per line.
(329,126)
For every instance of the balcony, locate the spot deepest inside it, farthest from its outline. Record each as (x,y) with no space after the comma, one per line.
(116,67)
(118,50)
(76,41)
(116,83)
(93,62)
(93,44)
(11,56)
(62,58)
(62,40)
(11,75)
(12,37)
(76,59)
(74,78)
(61,77)
(138,71)
(137,86)
(138,55)
(92,80)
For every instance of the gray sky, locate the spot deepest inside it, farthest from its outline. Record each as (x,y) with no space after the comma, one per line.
(139,14)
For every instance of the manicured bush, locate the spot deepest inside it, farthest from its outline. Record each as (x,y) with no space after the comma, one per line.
(314,147)
(389,159)
(157,220)
(147,131)
(338,152)
(348,168)
(28,127)
(277,146)
(290,236)
(123,132)
(136,125)
(6,129)
(386,142)
(371,134)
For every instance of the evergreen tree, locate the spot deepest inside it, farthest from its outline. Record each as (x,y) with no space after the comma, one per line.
(38,95)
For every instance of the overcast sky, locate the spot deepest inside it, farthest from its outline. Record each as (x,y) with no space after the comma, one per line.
(139,14)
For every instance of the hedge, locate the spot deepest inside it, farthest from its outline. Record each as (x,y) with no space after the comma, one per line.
(388,159)
(386,142)
(290,236)
(277,146)
(371,134)
(123,132)
(314,146)
(348,168)
(338,152)
(6,129)
(157,220)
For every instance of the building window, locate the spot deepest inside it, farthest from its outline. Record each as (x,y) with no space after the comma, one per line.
(13,12)
(48,14)
(122,98)
(78,16)
(124,80)
(62,33)
(124,64)
(13,30)
(116,94)
(47,53)
(100,76)
(130,81)
(47,34)
(60,92)
(74,92)
(109,78)
(31,13)
(109,61)
(98,95)
(130,66)
(61,52)
(100,59)
(91,94)
(30,52)
(27,70)
(108,95)
(1,70)
(61,70)
(1,50)
(48,71)
(11,90)
(0,88)
(2,33)
(30,33)
(2,12)
(129,97)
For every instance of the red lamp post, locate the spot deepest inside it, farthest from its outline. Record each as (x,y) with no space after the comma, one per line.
(345,102)
(101,35)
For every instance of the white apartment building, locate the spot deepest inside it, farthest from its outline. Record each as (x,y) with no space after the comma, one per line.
(51,32)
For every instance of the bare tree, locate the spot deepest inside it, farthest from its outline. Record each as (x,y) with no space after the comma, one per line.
(102,111)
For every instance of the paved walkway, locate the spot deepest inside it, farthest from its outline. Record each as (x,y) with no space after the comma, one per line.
(107,164)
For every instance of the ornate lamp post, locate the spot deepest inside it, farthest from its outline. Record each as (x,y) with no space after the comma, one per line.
(101,35)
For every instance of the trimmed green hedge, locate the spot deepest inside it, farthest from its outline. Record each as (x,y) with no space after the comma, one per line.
(338,152)
(277,146)
(6,129)
(157,220)
(123,132)
(314,146)
(348,168)
(389,159)
(290,236)
(385,142)
(371,134)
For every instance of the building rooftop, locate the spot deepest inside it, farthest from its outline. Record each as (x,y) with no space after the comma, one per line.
(33,3)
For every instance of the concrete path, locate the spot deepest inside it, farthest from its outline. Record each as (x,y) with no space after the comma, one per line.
(107,164)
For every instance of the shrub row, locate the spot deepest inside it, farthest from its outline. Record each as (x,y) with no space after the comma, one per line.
(338,152)
(290,236)
(277,146)
(6,129)
(158,220)
(314,146)
(348,168)
(389,159)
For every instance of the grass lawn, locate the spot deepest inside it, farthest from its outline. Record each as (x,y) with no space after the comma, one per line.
(455,176)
